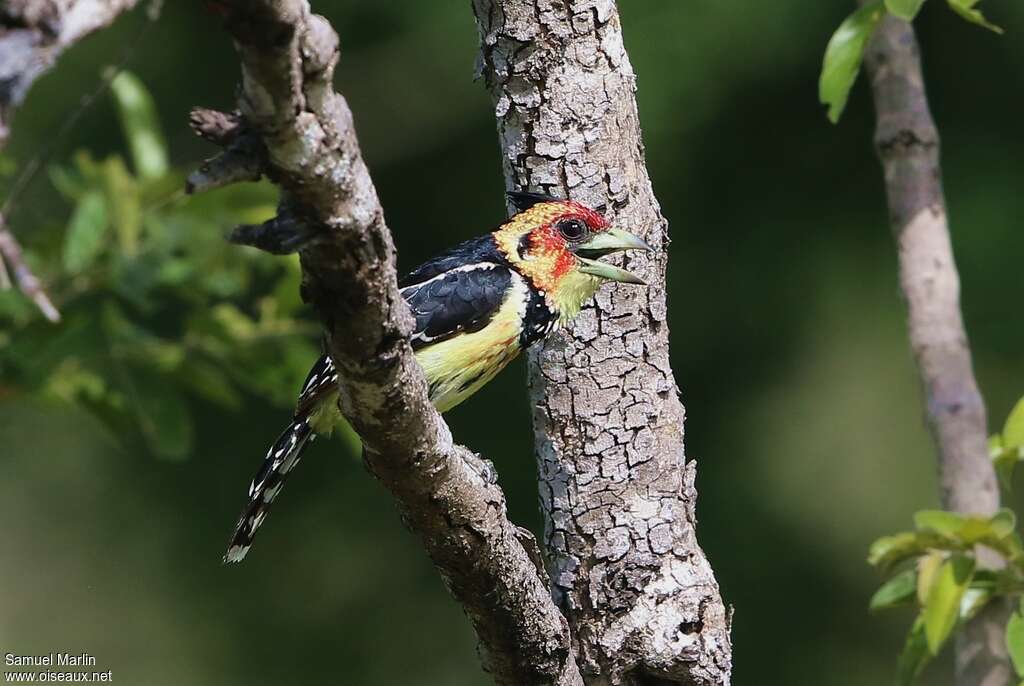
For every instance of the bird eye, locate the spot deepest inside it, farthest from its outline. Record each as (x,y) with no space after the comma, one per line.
(573,229)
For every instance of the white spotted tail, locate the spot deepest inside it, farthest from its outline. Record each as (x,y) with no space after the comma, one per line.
(281,459)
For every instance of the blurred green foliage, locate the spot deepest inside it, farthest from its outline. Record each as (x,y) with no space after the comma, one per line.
(156,305)
(788,343)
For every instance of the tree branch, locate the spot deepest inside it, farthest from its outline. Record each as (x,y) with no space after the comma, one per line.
(907,142)
(243,157)
(617,495)
(34,33)
(288,57)
(11,256)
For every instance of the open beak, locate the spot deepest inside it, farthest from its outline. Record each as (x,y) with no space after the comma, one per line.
(606,243)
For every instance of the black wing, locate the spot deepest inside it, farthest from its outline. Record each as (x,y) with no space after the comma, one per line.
(473,251)
(462,300)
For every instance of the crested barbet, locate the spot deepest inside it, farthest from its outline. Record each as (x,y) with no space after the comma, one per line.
(476,307)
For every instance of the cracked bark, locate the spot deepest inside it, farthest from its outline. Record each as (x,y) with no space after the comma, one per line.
(907,142)
(617,495)
(288,57)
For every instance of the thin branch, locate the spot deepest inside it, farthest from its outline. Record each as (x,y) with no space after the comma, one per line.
(243,157)
(219,128)
(288,58)
(11,256)
(907,142)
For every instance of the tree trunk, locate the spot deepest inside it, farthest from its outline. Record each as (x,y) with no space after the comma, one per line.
(617,495)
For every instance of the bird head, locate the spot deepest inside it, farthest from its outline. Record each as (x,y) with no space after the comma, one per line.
(556,245)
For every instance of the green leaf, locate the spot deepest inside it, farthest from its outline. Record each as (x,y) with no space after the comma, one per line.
(976,530)
(965,8)
(7,166)
(904,9)
(131,341)
(927,568)
(942,608)
(1015,642)
(890,550)
(162,415)
(1013,430)
(67,182)
(209,381)
(1004,522)
(86,231)
(974,599)
(125,204)
(967,530)
(235,323)
(915,653)
(1004,460)
(898,590)
(843,56)
(940,521)
(140,125)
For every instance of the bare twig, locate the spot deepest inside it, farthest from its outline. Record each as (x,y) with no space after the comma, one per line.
(908,144)
(243,157)
(10,253)
(288,57)
(637,589)
(219,128)
(233,165)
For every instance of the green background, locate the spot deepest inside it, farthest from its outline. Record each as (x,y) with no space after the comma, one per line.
(788,344)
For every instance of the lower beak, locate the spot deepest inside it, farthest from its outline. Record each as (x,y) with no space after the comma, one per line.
(606,243)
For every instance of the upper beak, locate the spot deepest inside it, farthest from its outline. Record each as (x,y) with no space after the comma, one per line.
(605,243)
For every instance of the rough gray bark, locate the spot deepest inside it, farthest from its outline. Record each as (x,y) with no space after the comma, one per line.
(908,145)
(288,57)
(617,495)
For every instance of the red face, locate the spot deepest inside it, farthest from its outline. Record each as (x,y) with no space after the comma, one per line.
(551,240)
(570,223)
(565,225)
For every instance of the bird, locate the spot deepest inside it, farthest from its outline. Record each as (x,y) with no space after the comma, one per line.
(476,307)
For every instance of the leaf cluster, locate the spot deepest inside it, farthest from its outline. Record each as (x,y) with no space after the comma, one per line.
(935,567)
(845,50)
(160,314)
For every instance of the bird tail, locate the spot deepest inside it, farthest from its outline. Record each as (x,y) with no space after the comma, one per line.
(280,460)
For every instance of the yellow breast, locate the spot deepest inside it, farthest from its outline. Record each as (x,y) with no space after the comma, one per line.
(458,367)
